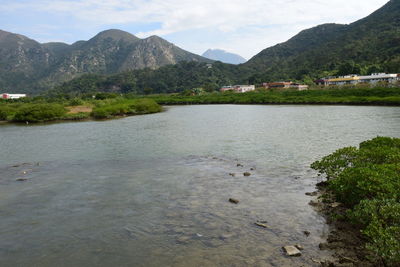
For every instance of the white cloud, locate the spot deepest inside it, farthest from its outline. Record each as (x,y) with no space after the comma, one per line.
(235,19)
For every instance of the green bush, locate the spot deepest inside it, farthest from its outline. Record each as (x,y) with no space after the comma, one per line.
(381,221)
(76,102)
(125,107)
(39,112)
(367,181)
(76,116)
(4,113)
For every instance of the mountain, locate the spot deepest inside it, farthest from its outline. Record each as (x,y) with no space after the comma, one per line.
(223,56)
(370,44)
(29,66)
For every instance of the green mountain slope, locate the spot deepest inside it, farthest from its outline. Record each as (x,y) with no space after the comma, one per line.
(28,66)
(370,42)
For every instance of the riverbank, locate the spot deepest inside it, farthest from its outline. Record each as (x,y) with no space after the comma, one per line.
(344,239)
(361,200)
(379,96)
(47,110)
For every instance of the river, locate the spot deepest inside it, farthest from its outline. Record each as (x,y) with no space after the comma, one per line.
(153,190)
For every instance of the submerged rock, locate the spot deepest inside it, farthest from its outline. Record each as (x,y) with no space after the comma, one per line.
(21,179)
(226,236)
(307,233)
(232,174)
(261,224)
(312,193)
(246,174)
(183,239)
(234,200)
(239,165)
(291,251)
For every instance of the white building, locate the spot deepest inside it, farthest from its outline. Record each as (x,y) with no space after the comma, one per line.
(379,77)
(355,79)
(239,88)
(12,96)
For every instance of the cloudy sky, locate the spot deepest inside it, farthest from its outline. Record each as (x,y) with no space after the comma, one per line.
(240,26)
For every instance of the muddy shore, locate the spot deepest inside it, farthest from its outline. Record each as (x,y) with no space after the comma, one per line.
(344,239)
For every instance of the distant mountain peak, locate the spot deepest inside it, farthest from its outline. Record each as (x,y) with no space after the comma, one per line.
(115,35)
(223,56)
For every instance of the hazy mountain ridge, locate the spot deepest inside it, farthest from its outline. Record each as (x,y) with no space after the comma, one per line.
(26,63)
(223,56)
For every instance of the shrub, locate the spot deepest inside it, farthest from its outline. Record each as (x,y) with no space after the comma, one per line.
(381,221)
(367,180)
(4,113)
(124,106)
(75,102)
(39,112)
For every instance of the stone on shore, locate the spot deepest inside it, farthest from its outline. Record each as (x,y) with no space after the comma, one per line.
(291,251)
(312,193)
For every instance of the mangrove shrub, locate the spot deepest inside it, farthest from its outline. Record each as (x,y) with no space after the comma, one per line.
(367,181)
(39,112)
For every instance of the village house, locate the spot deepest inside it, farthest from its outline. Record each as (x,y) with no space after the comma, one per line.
(355,79)
(285,85)
(12,96)
(238,88)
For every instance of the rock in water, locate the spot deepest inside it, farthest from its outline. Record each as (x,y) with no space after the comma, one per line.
(246,174)
(312,193)
(263,225)
(234,200)
(292,251)
(299,247)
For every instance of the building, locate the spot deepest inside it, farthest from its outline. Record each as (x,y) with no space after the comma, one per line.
(355,79)
(285,85)
(238,88)
(12,96)
(380,77)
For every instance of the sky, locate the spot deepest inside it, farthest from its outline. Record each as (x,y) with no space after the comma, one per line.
(244,27)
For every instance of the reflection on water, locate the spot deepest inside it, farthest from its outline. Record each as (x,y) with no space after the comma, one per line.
(153,190)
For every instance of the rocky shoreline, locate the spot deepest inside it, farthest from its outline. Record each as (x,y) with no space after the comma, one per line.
(344,240)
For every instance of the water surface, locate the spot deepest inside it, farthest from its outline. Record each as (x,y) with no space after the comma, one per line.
(153,190)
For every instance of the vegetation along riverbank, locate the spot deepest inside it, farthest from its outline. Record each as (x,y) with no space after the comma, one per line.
(361,198)
(106,105)
(40,109)
(343,96)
